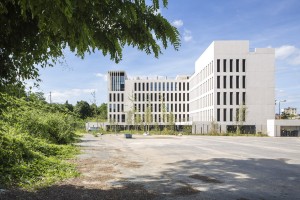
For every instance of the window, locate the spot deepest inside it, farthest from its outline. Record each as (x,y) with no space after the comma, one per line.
(237,65)
(122,97)
(179,86)
(224,65)
(218,114)
(179,96)
(224,98)
(171,96)
(151,86)
(139,86)
(230,65)
(230,98)
(167,96)
(237,82)
(218,65)
(224,114)
(237,98)
(218,98)
(163,87)
(244,98)
(244,81)
(159,86)
(231,114)
(179,108)
(218,82)
(237,115)
(135,87)
(231,80)
(183,86)
(139,96)
(147,86)
(183,96)
(187,87)
(175,96)
(167,86)
(143,86)
(155,86)
(224,82)
(110,97)
(244,65)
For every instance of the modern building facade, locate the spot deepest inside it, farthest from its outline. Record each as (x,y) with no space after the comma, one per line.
(231,86)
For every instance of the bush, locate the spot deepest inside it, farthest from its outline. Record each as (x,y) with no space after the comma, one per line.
(34,142)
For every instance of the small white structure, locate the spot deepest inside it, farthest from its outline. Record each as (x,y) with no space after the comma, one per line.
(283,128)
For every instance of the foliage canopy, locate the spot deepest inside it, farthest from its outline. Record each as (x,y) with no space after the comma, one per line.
(36,32)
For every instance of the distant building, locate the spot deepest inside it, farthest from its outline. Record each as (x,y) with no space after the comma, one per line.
(231,86)
(290,111)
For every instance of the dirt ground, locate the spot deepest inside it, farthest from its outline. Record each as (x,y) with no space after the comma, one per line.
(173,167)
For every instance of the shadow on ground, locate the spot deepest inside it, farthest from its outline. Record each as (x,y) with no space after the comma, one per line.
(217,178)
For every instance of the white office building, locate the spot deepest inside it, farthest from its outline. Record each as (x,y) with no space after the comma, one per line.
(232,85)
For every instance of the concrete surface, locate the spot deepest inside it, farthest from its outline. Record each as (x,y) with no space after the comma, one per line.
(210,167)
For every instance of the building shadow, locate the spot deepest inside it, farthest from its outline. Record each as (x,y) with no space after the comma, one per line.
(218,178)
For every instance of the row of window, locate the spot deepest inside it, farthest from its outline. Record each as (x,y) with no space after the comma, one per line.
(203,74)
(155,118)
(202,102)
(117,81)
(168,107)
(231,81)
(162,86)
(231,65)
(240,114)
(225,98)
(203,88)
(161,97)
(116,107)
(116,97)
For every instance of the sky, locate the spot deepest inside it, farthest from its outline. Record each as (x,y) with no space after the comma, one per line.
(265,23)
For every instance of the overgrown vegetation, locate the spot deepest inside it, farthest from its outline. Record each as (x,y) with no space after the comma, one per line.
(35,140)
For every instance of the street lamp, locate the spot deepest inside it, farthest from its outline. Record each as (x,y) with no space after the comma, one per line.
(279,107)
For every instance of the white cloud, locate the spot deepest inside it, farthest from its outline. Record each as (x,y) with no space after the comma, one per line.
(61,96)
(104,76)
(289,54)
(285,51)
(187,35)
(177,23)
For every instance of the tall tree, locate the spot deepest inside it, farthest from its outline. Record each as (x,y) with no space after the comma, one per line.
(35,32)
(83,109)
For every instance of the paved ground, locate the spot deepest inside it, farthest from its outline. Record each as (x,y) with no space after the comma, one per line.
(186,167)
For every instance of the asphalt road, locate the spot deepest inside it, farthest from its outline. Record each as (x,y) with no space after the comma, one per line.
(203,167)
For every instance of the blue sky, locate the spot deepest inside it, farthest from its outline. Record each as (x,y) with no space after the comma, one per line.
(265,23)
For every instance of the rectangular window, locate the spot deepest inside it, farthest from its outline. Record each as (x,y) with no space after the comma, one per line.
(230,65)
(231,82)
(155,86)
(118,95)
(187,87)
(135,87)
(237,82)
(244,98)
(175,96)
(151,86)
(243,114)
(167,86)
(237,65)
(159,86)
(218,114)
(179,86)
(163,87)
(179,96)
(187,96)
(167,96)
(231,98)
(179,107)
(224,65)
(175,107)
(244,65)
(224,82)
(224,98)
(218,98)
(183,96)
(143,86)
(171,96)
(231,114)
(244,81)
(224,114)
(218,65)
(218,82)
(155,107)
(237,115)
(122,97)
(155,97)
(110,97)
(183,86)
(237,98)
